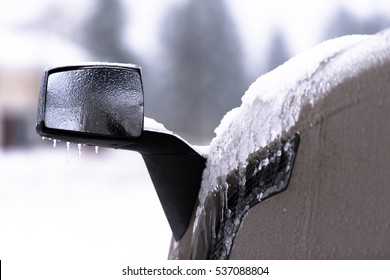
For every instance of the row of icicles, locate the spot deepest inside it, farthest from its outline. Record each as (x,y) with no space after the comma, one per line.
(68,146)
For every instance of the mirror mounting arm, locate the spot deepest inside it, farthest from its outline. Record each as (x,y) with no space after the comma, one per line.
(176,172)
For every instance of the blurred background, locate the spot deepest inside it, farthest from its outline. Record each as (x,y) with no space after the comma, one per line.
(198,59)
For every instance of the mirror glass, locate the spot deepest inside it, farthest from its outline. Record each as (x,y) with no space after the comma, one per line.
(97,100)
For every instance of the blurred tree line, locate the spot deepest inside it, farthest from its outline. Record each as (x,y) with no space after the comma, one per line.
(200,73)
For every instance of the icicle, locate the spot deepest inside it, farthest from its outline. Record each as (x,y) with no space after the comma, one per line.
(43,138)
(79,146)
(67,152)
(54,143)
(96,149)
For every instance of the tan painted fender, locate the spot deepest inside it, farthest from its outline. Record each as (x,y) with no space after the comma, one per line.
(337,203)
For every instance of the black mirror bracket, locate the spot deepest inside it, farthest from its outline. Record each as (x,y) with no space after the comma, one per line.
(176,172)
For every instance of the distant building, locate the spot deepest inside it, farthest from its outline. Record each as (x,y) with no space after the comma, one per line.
(18,98)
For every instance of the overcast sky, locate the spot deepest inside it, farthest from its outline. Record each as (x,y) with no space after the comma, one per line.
(301,20)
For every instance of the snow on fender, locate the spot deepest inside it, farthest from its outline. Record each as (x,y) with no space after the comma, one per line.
(335,98)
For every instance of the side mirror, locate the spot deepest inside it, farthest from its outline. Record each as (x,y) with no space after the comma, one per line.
(103,105)
(101,102)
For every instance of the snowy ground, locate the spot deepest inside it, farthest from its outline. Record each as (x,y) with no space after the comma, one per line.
(57,210)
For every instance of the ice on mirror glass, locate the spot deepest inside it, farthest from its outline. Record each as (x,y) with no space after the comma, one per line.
(99,100)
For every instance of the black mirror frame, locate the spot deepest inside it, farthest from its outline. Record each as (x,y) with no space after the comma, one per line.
(81,137)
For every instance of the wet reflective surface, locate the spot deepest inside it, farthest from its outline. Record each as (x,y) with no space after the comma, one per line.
(98,100)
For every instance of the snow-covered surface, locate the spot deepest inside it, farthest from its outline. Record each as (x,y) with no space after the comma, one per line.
(272,104)
(92,215)
(152,125)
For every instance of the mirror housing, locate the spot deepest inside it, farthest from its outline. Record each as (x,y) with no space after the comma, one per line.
(98,102)
(103,105)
